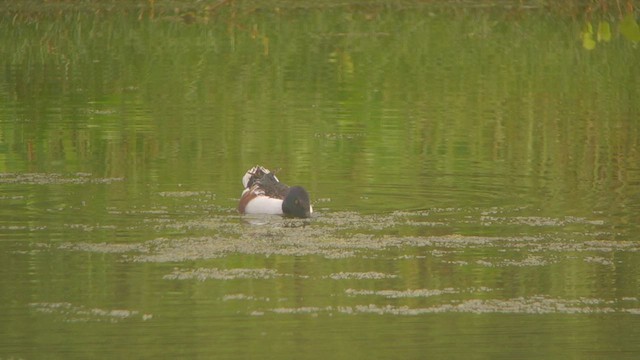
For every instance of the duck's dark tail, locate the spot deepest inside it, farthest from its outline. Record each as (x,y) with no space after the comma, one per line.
(255,174)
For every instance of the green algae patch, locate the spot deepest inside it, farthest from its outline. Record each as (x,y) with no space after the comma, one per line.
(222,274)
(69,312)
(369,275)
(244,297)
(530,260)
(533,305)
(187,194)
(54,179)
(104,248)
(395,294)
(409,263)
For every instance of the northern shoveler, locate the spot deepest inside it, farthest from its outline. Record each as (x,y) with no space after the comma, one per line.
(265,194)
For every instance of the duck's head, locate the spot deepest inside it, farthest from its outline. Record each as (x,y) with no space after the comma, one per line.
(297,203)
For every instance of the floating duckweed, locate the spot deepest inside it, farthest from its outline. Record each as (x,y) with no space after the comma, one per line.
(103,247)
(78,313)
(221,274)
(629,298)
(243,297)
(89,228)
(344,235)
(598,260)
(309,241)
(394,294)
(361,275)
(537,220)
(528,261)
(457,262)
(186,194)
(53,179)
(520,305)
(298,310)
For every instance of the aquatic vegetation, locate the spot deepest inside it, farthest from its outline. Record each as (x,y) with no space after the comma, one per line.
(521,305)
(77,313)
(365,241)
(221,274)
(54,179)
(361,275)
(394,294)
(628,28)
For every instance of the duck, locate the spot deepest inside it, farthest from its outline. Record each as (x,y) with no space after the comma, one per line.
(264,194)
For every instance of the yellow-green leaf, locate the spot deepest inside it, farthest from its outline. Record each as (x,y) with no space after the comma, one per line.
(587,41)
(587,28)
(629,28)
(587,37)
(604,31)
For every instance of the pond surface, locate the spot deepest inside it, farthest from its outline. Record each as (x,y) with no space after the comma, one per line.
(475,175)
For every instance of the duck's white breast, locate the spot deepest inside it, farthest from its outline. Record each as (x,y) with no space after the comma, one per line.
(264,205)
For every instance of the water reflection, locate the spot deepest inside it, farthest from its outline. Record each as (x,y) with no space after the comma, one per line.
(463,189)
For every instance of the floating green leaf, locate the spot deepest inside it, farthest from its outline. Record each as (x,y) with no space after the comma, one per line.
(604,31)
(629,28)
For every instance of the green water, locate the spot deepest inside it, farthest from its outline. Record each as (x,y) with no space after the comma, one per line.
(475,175)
